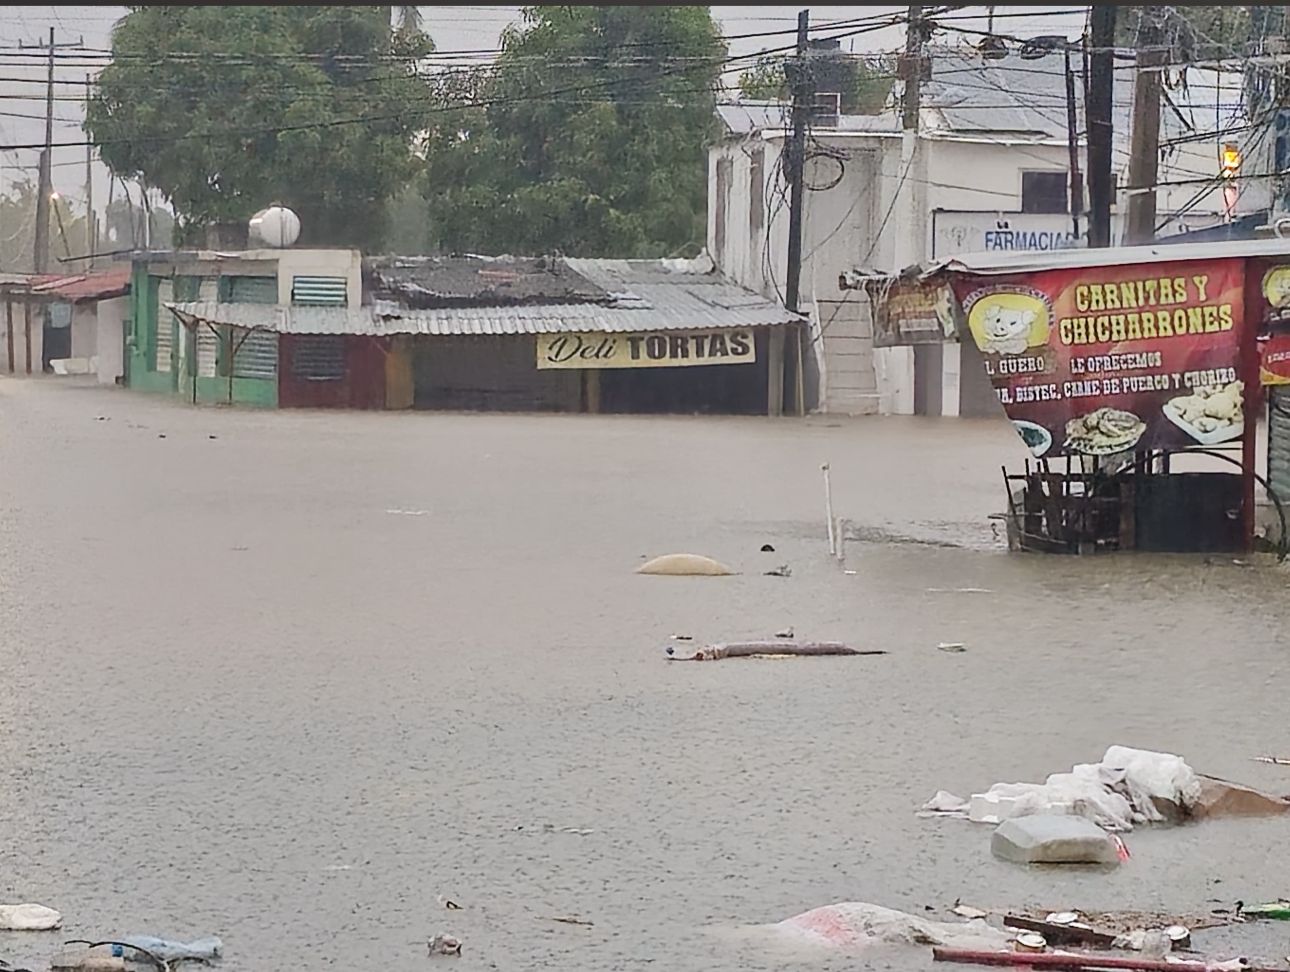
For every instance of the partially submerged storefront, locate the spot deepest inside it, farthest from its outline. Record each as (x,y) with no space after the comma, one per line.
(1117,367)
(544,334)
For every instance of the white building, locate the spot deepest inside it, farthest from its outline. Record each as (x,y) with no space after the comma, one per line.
(992,173)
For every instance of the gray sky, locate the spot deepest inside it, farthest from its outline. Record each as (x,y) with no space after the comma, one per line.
(454,28)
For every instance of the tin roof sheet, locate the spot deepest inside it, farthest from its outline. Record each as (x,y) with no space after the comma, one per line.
(645,295)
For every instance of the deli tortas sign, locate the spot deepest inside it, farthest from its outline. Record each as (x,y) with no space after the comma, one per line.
(660,349)
(1099,361)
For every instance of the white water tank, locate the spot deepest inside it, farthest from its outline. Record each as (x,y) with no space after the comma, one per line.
(275,226)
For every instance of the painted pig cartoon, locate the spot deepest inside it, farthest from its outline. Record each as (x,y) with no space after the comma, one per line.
(1006,330)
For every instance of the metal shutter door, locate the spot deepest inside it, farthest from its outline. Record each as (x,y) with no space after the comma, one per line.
(318,357)
(257,357)
(1279,441)
(164,344)
(207,351)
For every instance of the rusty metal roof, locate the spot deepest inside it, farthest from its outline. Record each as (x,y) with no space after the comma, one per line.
(78,287)
(641,295)
(422,282)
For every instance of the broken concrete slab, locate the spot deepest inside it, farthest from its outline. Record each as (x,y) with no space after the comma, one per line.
(1053,839)
(1219,798)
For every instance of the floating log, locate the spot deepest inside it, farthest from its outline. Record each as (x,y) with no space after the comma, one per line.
(772,649)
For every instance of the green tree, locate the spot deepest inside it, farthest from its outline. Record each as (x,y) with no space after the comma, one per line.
(865,82)
(225,109)
(1205,32)
(587,135)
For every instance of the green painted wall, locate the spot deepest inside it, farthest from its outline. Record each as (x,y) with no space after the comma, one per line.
(141,330)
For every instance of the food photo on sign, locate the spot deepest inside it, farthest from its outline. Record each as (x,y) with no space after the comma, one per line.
(1099,361)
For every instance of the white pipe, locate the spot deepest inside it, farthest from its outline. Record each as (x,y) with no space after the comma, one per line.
(828,510)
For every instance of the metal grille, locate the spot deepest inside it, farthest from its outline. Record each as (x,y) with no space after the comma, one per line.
(1279,441)
(319,291)
(257,356)
(165,341)
(252,290)
(207,351)
(318,357)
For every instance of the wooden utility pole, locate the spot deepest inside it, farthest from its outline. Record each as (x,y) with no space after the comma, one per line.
(801,86)
(1097,110)
(1144,146)
(1072,141)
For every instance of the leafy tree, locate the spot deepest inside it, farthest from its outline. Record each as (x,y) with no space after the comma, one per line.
(225,109)
(1205,31)
(587,135)
(866,83)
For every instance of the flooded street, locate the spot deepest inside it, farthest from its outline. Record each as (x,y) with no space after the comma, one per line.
(286,677)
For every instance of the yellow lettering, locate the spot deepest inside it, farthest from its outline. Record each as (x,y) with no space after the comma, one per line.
(1095,298)
(1195,320)
(1149,324)
(1166,290)
(1162,324)
(1134,331)
(1150,287)
(1210,313)
(1180,290)
(1112,297)
(1128,296)
(1081,330)
(1202,286)
(1081,299)
(1180,322)
(1225,317)
(1064,328)
(1117,327)
(1102,328)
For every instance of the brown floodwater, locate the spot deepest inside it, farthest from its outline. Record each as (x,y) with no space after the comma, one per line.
(241,696)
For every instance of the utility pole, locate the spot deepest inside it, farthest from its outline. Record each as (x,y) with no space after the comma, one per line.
(1097,110)
(40,257)
(801,87)
(1072,141)
(91,235)
(909,225)
(1144,146)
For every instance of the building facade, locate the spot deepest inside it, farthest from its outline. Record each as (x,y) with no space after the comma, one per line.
(991,172)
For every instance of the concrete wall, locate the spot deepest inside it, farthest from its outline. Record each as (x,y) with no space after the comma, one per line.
(109,338)
(315,263)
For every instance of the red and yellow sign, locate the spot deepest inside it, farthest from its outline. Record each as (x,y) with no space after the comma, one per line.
(1098,361)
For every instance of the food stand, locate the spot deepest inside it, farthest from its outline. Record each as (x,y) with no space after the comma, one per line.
(1111,363)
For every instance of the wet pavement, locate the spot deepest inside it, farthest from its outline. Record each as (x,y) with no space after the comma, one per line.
(287,677)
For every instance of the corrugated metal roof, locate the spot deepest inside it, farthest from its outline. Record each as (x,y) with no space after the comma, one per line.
(458,280)
(72,287)
(647,295)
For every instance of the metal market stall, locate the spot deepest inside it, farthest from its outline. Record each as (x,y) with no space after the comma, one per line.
(1116,366)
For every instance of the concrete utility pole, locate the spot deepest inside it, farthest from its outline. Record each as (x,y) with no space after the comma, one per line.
(910,228)
(1097,111)
(1144,150)
(91,224)
(40,258)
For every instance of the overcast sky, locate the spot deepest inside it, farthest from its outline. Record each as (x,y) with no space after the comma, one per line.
(454,28)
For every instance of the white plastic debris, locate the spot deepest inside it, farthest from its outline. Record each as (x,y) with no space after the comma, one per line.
(944,804)
(29,917)
(1128,787)
(853,925)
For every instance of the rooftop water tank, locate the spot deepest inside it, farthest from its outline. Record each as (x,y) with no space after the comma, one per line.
(276,226)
